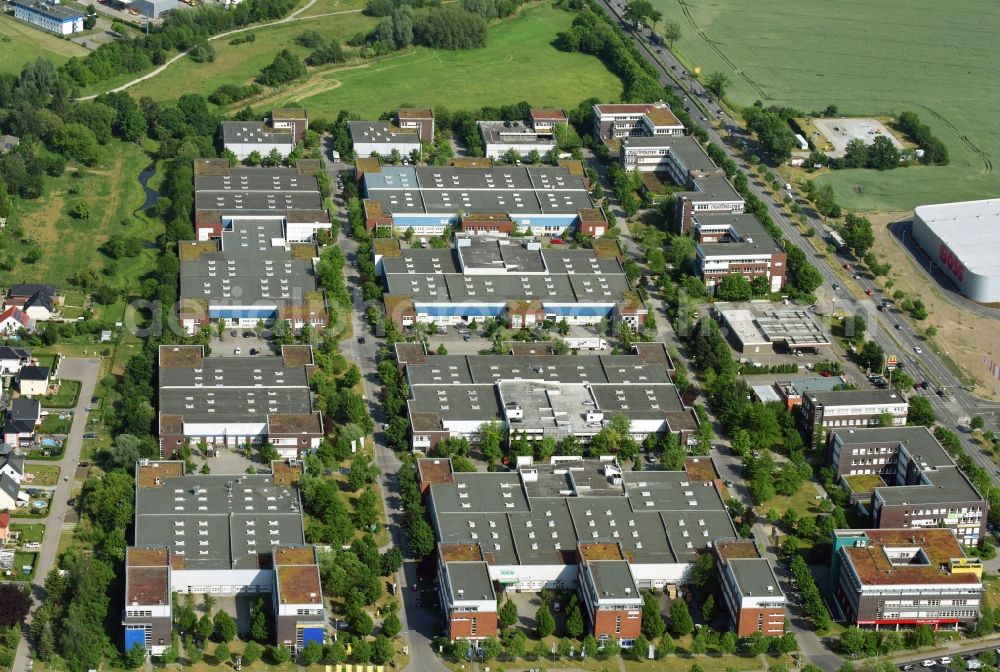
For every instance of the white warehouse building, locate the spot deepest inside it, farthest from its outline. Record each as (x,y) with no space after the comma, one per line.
(961,239)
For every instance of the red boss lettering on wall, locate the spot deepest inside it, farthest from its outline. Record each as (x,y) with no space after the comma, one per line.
(952,262)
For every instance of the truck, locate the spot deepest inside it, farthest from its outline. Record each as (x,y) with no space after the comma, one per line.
(587,343)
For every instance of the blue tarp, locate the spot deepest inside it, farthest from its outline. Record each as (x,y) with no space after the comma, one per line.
(133,637)
(312,635)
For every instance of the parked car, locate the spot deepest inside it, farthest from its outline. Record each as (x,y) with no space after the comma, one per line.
(557,241)
(237,351)
(361,339)
(90,436)
(847,267)
(929,663)
(233,333)
(869,292)
(467,338)
(945,660)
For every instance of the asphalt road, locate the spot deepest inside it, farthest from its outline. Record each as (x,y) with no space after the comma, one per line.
(87,372)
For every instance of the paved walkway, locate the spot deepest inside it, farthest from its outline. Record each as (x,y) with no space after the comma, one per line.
(87,372)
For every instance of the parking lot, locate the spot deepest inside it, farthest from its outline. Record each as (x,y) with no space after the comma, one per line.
(246,343)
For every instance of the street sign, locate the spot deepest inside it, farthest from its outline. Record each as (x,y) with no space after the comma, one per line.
(891,362)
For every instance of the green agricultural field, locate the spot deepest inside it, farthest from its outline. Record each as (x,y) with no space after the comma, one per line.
(20,43)
(934,58)
(69,245)
(519,63)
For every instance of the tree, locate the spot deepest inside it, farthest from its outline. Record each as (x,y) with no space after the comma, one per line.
(545,624)
(14,605)
(977,422)
(221,654)
(252,653)
(671,32)
(589,647)
(279,655)
(515,643)
(727,644)
(757,644)
(640,647)
(882,155)
(856,154)
(734,287)
(680,618)
(699,644)
(312,652)
(507,614)
(225,626)
(449,27)
(920,412)
(490,649)
(666,646)
(717,83)
(285,67)
(260,627)
(391,625)
(858,234)
(652,619)
(205,627)
(573,625)
(708,609)
(135,657)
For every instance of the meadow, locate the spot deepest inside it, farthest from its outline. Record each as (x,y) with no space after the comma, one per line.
(69,245)
(20,43)
(936,59)
(518,63)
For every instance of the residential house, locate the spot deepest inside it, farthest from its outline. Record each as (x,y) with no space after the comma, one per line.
(21,420)
(33,380)
(13,320)
(4,527)
(8,142)
(9,492)
(12,359)
(11,464)
(38,301)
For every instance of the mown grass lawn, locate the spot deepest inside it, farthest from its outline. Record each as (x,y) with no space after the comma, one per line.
(45,474)
(69,245)
(869,59)
(29,533)
(21,43)
(66,397)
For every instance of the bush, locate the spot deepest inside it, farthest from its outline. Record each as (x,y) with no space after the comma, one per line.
(285,67)
(450,27)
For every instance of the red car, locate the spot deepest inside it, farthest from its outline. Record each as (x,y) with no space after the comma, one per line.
(869,292)
(847,267)
(557,241)
(825,374)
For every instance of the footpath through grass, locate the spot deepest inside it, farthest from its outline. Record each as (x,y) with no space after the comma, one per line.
(868,59)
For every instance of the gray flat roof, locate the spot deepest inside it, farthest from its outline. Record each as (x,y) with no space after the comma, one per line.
(515,190)
(712,189)
(470,581)
(512,133)
(255,265)
(257,191)
(218,521)
(423,261)
(938,485)
(857,397)
(486,369)
(453,402)
(746,236)
(653,517)
(686,149)
(255,132)
(755,577)
(379,131)
(455,287)
(918,441)
(613,579)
